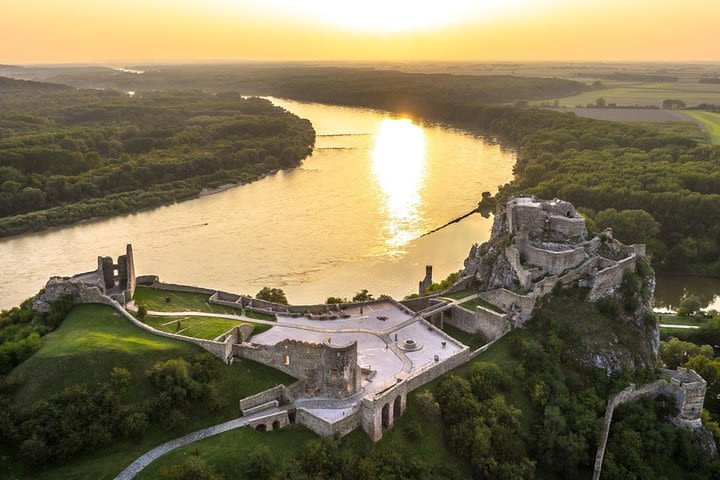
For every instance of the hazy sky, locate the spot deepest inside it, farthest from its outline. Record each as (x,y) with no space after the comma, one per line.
(37,31)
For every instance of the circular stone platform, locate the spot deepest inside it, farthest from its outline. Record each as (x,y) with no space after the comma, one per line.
(409,345)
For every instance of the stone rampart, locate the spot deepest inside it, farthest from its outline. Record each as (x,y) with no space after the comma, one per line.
(552,262)
(562,228)
(492,324)
(270,422)
(685,386)
(326,429)
(280,393)
(221,350)
(524,276)
(510,301)
(182,288)
(329,370)
(147,280)
(610,277)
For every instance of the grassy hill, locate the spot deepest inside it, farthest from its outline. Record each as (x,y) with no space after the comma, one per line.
(84,349)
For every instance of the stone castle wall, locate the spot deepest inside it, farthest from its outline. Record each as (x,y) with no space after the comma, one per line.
(329,371)
(561,228)
(610,277)
(553,262)
(325,428)
(508,301)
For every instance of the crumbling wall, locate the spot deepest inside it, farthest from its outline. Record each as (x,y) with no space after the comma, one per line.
(327,370)
(553,262)
(563,228)
(524,276)
(506,300)
(609,278)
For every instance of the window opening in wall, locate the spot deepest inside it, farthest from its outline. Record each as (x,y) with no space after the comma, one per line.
(286,360)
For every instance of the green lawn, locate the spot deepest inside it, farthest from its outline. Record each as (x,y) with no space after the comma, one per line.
(710,120)
(460,294)
(199,327)
(226,452)
(673,319)
(156,300)
(89,343)
(472,340)
(479,302)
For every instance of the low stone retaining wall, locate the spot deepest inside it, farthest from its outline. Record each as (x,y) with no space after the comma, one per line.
(279,393)
(222,350)
(327,429)
(270,422)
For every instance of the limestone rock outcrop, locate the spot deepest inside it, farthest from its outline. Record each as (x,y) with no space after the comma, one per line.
(538,245)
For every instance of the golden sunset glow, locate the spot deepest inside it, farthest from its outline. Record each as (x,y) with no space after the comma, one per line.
(37,31)
(398,163)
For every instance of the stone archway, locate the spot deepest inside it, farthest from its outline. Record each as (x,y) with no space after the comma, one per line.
(276,425)
(397,407)
(261,427)
(386,415)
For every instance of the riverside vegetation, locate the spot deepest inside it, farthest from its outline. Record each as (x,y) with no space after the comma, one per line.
(662,183)
(68,155)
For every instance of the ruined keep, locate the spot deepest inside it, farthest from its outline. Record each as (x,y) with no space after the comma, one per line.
(325,370)
(109,281)
(426,282)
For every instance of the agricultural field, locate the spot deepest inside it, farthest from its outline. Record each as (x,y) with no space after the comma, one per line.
(710,121)
(646,94)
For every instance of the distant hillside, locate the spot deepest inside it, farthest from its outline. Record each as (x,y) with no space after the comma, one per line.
(11,85)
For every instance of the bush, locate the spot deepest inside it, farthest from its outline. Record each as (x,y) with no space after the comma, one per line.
(427,404)
(608,307)
(259,463)
(412,430)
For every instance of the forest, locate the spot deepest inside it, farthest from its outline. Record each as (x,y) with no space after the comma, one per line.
(68,155)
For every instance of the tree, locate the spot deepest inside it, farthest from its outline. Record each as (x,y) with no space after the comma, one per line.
(673,104)
(600,102)
(363,296)
(141,311)
(275,295)
(335,300)
(689,305)
(629,226)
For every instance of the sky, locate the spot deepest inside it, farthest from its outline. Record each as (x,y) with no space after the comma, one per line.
(91,31)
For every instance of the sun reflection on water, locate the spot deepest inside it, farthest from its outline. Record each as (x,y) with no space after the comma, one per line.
(398,164)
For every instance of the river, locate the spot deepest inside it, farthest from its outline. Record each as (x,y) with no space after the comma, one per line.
(350,217)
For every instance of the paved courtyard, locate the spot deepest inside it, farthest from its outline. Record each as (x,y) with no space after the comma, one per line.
(378,330)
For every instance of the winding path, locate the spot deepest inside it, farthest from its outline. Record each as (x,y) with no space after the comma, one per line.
(146,459)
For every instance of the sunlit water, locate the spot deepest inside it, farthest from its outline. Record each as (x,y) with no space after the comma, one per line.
(350,217)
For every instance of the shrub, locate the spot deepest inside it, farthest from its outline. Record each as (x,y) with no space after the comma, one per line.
(259,463)
(412,430)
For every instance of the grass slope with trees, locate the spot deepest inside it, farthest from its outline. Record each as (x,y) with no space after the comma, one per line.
(68,155)
(99,392)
